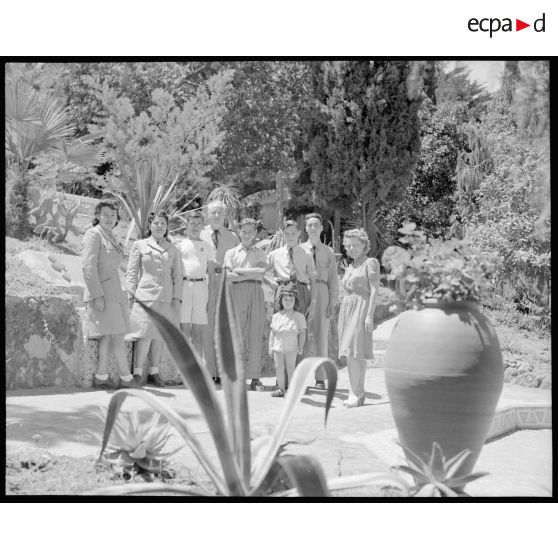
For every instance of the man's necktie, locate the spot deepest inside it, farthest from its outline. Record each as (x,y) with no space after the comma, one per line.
(215,237)
(314,253)
(292,269)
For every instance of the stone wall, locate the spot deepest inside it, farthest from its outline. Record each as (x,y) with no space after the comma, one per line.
(43,341)
(45,345)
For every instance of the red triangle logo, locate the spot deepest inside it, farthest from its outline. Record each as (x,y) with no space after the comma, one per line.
(519,25)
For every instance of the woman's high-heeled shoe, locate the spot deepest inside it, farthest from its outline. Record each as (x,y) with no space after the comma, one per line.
(355,401)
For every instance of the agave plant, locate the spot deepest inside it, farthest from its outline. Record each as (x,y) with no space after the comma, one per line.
(136,445)
(244,465)
(437,477)
(148,187)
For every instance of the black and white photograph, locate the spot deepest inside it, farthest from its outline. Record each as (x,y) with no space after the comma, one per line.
(278,278)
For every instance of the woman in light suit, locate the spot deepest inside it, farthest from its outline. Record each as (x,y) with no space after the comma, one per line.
(107,313)
(154,276)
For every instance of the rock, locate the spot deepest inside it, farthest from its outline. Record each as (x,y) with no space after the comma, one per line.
(525,367)
(546,382)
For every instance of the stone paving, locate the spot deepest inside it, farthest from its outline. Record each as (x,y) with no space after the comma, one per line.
(355,441)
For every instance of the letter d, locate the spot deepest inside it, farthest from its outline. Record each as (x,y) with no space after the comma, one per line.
(541,30)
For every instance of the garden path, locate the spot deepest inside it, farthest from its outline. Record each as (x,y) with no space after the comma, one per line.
(353,442)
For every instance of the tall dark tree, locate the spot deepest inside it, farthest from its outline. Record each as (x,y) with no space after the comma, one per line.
(263,123)
(429,199)
(363,137)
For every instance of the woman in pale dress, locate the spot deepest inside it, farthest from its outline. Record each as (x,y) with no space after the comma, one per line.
(154,276)
(355,327)
(107,314)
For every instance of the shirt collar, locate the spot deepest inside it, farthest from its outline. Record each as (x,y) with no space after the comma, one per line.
(161,247)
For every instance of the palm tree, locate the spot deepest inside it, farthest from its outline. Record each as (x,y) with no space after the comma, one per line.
(36,125)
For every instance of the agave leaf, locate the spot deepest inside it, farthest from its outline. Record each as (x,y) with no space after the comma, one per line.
(131,228)
(296,390)
(139,452)
(453,465)
(157,436)
(436,463)
(445,490)
(156,447)
(414,459)
(459,482)
(93,435)
(427,491)
(306,474)
(149,426)
(231,369)
(198,379)
(145,488)
(419,477)
(257,447)
(167,454)
(174,418)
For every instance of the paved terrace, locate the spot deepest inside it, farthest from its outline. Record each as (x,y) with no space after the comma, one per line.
(359,440)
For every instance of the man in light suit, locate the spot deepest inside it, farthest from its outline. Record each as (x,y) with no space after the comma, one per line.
(327,288)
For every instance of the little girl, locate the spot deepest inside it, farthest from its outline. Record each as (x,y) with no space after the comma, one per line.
(286,338)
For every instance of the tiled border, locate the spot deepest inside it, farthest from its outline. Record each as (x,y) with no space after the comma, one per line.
(506,420)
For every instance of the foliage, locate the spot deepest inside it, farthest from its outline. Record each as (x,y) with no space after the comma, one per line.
(147,187)
(133,80)
(137,446)
(244,464)
(363,137)
(438,477)
(429,200)
(509,212)
(455,85)
(262,124)
(37,125)
(183,137)
(448,270)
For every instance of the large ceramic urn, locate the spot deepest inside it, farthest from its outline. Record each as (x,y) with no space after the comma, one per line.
(444,375)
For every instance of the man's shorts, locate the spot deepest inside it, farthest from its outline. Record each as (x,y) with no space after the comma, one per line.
(194,302)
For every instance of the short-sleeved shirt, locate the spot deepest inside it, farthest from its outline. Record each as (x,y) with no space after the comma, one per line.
(239,256)
(278,262)
(227,239)
(286,325)
(195,254)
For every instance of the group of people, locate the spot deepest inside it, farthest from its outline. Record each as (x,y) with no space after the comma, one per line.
(180,280)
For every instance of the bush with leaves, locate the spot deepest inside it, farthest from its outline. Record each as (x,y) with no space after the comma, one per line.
(447,270)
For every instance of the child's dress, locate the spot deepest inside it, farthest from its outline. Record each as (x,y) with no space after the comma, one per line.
(286,325)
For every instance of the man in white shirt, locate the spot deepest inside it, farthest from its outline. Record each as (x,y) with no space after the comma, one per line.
(198,260)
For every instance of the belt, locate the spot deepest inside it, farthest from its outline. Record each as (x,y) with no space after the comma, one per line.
(321,281)
(192,279)
(248,281)
(287,281)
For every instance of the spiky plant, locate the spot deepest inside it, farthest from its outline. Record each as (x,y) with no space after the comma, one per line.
(437,478)
(243,465)
(136,446)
